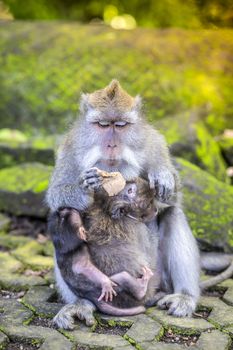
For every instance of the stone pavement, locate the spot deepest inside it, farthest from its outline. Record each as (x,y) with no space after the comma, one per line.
(28,301)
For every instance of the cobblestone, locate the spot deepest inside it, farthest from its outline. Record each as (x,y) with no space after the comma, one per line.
(28,318)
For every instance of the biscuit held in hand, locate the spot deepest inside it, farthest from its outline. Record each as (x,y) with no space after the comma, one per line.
(113,183)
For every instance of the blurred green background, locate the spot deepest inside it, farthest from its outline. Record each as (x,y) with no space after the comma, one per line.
(176,54)
(148,13)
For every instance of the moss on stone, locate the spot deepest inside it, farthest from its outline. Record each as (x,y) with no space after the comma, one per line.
(11,274)
(208,204)
(19,149)
(12,242)
(22,189)
(208,152)
(32,177)
(32,254)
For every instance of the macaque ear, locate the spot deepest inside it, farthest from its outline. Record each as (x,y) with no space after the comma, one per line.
(137,104)
(84,104)
(134,114)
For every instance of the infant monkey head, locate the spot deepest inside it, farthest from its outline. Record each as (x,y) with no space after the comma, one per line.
(136,200)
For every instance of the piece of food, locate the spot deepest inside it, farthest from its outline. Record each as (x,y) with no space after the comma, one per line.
(113,183)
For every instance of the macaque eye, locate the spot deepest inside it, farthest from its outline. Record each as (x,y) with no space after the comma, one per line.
(120,124)
(103,123)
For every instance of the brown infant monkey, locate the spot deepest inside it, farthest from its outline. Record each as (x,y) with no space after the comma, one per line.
(90,263)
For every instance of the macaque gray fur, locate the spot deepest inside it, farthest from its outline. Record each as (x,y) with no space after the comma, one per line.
(113,135)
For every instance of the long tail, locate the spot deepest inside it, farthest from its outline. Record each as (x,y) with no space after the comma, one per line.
(115,311)
(216,262)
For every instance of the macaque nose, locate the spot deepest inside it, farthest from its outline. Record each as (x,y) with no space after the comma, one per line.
(112,146)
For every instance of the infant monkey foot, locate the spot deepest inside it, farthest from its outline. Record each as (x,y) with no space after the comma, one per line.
(83,310)
(108,292)
(143,282)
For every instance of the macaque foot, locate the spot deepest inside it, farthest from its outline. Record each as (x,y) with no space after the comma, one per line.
(107,292)
(142,282)
(83,310)
(179,305)
(91,179)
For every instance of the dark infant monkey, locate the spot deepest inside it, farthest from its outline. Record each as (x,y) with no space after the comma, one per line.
(109,263)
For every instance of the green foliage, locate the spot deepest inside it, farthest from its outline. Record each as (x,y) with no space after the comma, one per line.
(189,138)
(45,66)
(152,13)
(208,205)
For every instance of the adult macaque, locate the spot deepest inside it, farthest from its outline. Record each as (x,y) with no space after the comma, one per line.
(117,253)
(112,134)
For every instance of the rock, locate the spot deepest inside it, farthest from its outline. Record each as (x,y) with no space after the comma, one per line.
(11,276)
(32,254)
(215,339)
(22,189)
(188,138)
(208,204)
(16,148)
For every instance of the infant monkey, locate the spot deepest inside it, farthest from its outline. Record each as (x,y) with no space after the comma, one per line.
(73,254)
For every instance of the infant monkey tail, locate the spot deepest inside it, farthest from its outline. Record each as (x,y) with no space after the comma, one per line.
(115,311)
(218,279)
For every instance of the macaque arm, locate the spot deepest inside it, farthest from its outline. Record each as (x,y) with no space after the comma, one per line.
(160,170)
(64,188)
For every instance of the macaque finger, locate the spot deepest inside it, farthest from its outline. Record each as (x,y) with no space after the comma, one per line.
(106,297)
(102,295)
(114,284)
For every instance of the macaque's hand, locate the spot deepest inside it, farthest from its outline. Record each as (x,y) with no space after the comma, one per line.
(91,179)
(164,184)
(107,292)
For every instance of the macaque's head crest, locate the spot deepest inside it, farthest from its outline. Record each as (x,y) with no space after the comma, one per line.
(111,98)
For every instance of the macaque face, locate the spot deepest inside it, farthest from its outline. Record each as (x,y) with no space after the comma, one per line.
(111,134)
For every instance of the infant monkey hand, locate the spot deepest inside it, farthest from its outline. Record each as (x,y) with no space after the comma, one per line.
(107,292)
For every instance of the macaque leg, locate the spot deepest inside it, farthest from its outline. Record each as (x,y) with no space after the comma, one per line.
(179,260)
(82,265)
(136,286)
(83,309)
(76,307)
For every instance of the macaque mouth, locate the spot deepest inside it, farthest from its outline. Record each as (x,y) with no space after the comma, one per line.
(112,162)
